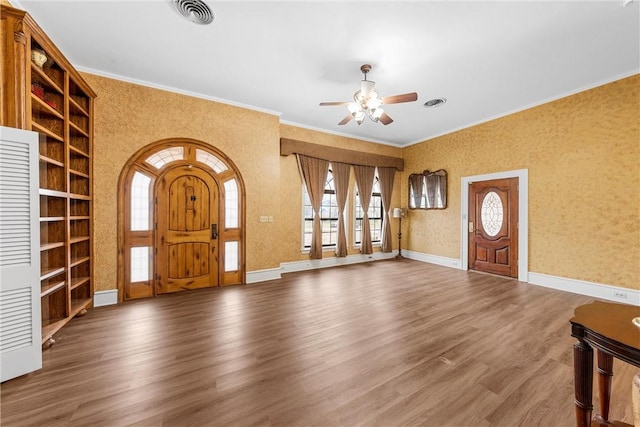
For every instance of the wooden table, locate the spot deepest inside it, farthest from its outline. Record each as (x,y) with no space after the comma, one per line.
(609,328)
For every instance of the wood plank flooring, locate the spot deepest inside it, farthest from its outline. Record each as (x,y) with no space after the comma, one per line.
(389,343)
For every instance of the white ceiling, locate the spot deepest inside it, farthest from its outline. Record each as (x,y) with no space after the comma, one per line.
(488,58)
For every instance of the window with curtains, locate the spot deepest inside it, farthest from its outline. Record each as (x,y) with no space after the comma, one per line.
(375,215)
(328,215)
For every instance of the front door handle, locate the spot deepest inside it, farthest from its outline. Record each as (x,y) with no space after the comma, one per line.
(472,229)
(214,231)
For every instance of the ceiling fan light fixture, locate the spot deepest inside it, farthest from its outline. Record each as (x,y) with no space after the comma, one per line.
(373,102)
(366,88)
(367,102)
(376,113)
(357,97)
(353,108)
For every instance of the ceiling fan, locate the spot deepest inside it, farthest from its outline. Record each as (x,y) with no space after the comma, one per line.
(367,102)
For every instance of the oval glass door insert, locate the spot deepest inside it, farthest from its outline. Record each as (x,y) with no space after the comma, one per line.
(491,213)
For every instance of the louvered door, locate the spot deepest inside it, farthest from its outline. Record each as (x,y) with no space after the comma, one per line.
(20,324)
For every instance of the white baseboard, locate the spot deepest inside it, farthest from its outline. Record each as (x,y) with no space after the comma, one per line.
(263,275)
(312,264)
(596,290)
(102,298)
(432,259)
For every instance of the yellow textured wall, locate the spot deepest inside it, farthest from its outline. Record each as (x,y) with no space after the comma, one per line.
(583,157)
(582,153)
(291,189)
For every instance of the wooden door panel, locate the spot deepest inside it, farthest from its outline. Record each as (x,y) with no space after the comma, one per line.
(188,204)
(187,208)
(200,259)
(188,260)
(481,253)
(493,226)
(502,256)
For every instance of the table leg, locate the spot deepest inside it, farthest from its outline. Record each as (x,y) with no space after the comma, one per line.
(635,397)
(605,374)
(583,380)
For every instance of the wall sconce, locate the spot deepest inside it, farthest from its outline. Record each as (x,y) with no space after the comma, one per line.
(399,213)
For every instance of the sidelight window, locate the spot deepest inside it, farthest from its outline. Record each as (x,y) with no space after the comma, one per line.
(140,264)
(140,202)
(231,256)
(231,210)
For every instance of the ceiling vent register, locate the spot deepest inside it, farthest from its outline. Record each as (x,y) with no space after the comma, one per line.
(435,102)
(195,11)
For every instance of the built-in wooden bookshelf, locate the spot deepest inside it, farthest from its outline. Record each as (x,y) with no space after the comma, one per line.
(51,98)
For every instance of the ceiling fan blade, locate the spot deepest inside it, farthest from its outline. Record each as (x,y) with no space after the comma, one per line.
(385,119)
(346,120)
(396,99)
(332,104)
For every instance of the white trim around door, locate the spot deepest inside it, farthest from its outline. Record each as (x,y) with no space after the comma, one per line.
(523,220)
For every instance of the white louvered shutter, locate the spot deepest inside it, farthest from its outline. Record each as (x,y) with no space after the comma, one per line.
(20,327)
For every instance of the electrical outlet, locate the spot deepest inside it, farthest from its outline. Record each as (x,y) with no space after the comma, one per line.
(619,294)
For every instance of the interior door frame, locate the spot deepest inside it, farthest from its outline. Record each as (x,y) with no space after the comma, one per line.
(523,217)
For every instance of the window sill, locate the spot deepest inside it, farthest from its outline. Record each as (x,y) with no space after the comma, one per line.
(333,249)
(375,245)
(324,249)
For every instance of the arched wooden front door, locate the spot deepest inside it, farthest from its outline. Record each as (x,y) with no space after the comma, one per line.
(181,220)
(187,230)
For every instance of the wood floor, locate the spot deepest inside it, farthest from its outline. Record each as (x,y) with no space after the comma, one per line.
(388,343)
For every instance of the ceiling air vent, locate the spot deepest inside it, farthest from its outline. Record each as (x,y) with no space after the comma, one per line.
(435,102)
(195,11)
